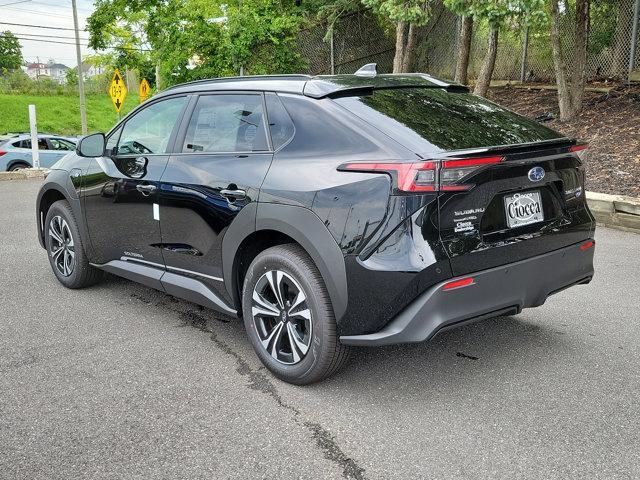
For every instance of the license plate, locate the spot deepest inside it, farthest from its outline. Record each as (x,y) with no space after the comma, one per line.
(523,208)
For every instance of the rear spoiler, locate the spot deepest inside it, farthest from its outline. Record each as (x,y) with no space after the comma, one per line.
(554,146)
(332,90)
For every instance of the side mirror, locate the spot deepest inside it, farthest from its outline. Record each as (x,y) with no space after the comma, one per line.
(92,145)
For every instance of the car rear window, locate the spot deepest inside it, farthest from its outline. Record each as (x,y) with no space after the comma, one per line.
(430,120)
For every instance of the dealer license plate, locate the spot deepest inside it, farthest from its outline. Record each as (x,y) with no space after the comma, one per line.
(523,208)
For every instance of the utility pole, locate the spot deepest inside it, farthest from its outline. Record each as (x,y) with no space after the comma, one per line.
(83,110)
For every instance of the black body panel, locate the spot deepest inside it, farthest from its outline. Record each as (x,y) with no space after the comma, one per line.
(175,209)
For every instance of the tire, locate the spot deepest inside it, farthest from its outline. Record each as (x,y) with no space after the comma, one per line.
(291,267)
(19,166)
(71,265)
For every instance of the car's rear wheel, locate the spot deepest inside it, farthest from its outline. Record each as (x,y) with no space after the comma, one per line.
(66,251)
(18,166)
(289,318)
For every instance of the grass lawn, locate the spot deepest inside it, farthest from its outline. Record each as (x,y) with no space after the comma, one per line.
(60,114)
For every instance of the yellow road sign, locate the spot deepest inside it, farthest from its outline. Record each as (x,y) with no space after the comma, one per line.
(145,90)
(117,90)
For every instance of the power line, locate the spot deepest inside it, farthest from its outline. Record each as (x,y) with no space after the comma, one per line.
(35,26)
(47,36)
(39,12)
(47,41)
(131,49)
(14,3)
(56,5)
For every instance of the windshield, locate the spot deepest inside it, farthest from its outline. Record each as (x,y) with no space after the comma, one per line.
(430,120)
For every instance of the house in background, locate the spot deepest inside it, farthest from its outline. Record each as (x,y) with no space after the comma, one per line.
(91,70)
(58,72)
(55,71)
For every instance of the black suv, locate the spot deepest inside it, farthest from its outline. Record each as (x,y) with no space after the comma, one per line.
(325,211)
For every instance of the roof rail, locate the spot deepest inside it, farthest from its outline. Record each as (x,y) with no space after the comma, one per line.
(245,77)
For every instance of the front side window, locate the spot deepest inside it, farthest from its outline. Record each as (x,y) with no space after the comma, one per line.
(227,123)
(61,144)
(149,130)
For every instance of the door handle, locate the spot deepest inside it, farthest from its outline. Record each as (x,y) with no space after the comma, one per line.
(235,194)
(146,190)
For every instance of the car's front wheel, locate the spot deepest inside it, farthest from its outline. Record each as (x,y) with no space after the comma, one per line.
(66,251)
(289,318)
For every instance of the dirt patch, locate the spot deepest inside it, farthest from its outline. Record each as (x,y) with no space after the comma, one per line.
(610,122)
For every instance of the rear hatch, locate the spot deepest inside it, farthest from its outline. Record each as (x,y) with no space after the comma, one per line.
(530,201)
(509,188)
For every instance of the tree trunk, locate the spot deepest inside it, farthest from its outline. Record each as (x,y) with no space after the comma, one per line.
(407,58)
(580,56)
(559,65)
(484,79)
(399,56)
(622,38)
(464,49)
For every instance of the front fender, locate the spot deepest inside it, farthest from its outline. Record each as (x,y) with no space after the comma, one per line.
(60,182)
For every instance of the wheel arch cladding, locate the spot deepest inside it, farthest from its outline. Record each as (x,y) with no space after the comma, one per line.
(300,225)
(57,186)
(47,198)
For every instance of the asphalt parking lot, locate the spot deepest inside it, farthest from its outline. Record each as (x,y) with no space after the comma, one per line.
(121,381)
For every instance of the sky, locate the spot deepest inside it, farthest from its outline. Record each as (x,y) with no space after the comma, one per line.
(49,13)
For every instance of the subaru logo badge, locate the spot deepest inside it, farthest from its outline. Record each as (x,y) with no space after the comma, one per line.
(536,174)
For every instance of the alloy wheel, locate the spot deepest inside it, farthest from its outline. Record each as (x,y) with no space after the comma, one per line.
(282,317)
(61,246)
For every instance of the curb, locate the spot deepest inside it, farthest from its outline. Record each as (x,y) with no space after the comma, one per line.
(25,174)
(615,211)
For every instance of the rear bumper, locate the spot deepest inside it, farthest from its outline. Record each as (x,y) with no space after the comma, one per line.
(498,291)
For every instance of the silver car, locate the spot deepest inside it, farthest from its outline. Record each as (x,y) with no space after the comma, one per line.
(15,152)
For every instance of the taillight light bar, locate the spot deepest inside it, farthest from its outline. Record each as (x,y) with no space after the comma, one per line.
(580,150)
(445,175)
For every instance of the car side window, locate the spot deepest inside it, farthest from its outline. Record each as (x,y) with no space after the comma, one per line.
(112,141)
(227,123)
(149,130)
(61,144)
(42,144)
(280,123)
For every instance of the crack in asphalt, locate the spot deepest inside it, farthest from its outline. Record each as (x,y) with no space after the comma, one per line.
(464,355)
(260,381)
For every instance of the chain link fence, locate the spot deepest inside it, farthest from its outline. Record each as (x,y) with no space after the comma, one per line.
(359,38)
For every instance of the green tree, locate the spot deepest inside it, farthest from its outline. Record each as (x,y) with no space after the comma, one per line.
(10,52)
(497,14)
(407,16)
(194,39)
(462,8)
(570,77)
(71,76)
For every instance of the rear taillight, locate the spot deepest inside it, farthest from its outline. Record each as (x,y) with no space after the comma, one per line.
(580,150)
(2,153)
(445,175)
(410,177)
